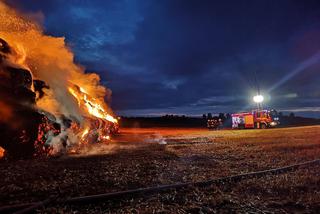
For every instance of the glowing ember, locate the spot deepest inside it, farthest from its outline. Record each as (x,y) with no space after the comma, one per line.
(106,137)
(1,152)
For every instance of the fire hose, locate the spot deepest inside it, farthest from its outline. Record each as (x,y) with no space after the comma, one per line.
(29,207)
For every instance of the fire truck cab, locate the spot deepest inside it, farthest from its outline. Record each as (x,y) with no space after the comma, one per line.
(259,119)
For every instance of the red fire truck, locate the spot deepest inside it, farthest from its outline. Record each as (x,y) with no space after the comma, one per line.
(259,119)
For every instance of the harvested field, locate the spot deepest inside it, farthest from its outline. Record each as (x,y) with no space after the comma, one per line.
(151,157)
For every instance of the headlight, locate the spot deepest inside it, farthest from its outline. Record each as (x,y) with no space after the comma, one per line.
(273,123)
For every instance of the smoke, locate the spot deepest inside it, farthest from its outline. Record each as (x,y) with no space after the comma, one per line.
(156,138)
(37,110)
(50,60)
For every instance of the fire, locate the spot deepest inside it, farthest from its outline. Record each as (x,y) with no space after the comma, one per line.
(85,132)
(49,100)
(1,152)
(106,137)
(92,107)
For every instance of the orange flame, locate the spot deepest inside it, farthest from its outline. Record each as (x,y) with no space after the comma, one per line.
(85,132)
(92,107)
(1,152)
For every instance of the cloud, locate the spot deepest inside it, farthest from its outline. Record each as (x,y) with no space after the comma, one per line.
(303,109)
(189,54)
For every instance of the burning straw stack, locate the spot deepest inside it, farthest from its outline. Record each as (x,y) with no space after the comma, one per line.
(22,126)
(28,131)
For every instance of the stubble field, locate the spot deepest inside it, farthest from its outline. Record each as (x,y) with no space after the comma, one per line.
(158,156)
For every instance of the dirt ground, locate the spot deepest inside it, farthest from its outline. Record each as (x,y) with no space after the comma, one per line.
(151,157)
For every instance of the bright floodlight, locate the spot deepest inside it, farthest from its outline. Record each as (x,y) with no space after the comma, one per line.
(258,99)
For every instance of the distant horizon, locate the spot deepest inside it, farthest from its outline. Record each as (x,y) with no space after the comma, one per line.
(315,115)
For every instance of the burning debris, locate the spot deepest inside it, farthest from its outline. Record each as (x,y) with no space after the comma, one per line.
(48,104)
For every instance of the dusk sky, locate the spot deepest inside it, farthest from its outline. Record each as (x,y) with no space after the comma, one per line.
(193,57)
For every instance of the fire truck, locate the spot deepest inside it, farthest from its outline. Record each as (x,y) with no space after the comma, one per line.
(256,119)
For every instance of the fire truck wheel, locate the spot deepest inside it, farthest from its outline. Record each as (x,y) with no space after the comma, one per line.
(263,126)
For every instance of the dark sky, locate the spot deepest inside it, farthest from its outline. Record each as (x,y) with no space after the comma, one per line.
(193,57)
